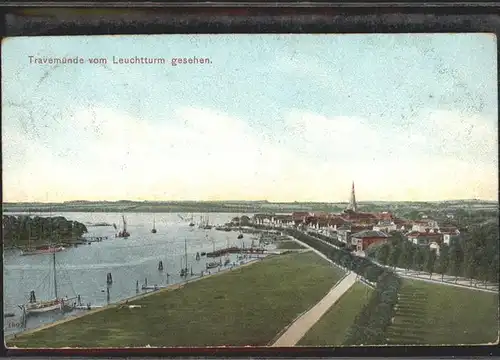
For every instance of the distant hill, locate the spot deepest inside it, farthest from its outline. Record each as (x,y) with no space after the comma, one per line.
(237,206)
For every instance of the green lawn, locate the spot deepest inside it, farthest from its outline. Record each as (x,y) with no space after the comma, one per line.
(439,314)
(289,245)
(247,306)
(332,328)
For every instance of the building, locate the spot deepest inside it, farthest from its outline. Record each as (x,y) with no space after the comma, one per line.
(262,219)
(344,233)
(424,238)
(299,217)
(450,237)
(435,246)
(424,225)
(366,238)
(385,226)
(352,203)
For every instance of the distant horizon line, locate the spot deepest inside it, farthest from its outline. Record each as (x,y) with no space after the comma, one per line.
(241,201)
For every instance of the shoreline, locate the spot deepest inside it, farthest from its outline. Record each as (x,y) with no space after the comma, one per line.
(124,302)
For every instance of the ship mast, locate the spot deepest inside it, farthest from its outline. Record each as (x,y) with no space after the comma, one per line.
(55,276)
(186,252)
(53,255)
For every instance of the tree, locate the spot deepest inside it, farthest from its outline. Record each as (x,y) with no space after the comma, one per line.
(394,254)
(406,257)
(456,259)
(430,260)
(469,268)
(383,254)
(417,258)
(493,270)
(443,261)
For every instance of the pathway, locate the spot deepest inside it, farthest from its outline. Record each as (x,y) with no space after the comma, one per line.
(436,279)
(304,323)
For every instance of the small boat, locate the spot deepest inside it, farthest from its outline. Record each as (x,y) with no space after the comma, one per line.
(191,223)
(124,233)
(240,236)
(212,265)
(204,223)
(153,230)
(203,253)
(8,315)
(184,270)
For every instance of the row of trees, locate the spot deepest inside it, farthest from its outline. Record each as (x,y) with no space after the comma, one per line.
(24,230)
(474,255)
(371,324)
(328,239)
(361,266)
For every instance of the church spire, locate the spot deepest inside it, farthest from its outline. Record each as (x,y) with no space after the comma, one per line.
(352,203)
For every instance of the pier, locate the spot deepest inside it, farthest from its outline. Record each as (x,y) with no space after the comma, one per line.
(235,250)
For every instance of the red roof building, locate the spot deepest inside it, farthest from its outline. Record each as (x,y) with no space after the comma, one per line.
(366,238)
(300,216)
(424,238)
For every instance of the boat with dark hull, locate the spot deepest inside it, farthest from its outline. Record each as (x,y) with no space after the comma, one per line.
(153,230)
(124,233)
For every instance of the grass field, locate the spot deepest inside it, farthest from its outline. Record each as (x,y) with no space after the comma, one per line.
(446,315)
(289,244)
(247,306)
(332,328)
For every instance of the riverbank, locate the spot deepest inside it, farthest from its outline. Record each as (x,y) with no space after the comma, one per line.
(245,306)
(124,302)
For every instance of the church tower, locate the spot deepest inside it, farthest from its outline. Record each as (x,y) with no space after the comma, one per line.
(352,203)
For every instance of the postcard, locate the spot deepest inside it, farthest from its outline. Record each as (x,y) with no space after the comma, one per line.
(250,190)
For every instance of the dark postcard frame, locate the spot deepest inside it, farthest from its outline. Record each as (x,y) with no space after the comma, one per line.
(93,18)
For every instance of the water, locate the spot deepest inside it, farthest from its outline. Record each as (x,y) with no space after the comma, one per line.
(82,270)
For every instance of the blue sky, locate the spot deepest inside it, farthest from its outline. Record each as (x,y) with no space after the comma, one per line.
(276,117)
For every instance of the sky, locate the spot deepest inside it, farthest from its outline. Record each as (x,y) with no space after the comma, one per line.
(409,117)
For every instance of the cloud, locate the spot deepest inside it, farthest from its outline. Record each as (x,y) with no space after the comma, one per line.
(434,133)
(200,153)
(195,154)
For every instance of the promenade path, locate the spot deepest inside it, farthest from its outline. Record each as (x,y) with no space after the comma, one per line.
(305,322)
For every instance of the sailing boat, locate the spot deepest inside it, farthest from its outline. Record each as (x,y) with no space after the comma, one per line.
(213,264)
(191,222)
(184,270)
(56,304)
(153,230)
(206,225)
(227,260)
(37,307)
(123,233)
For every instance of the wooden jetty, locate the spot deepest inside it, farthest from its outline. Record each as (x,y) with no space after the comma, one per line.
(235,250)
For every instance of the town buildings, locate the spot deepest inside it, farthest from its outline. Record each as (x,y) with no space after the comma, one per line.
(358,229)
